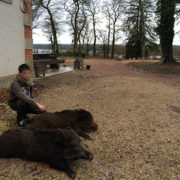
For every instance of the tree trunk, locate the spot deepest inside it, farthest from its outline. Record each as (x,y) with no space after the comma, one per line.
(166,30)
(95,37)
(52,45)
(142,29)
(109,35)
(75,37)
(80,32)
(79,45)
(76,29)
(87,49)
(83,42)
(113,41)
(104,50)
(56,47)
(53,28)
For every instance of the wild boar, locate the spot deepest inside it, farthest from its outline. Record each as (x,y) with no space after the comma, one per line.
(53,147)
(80,121)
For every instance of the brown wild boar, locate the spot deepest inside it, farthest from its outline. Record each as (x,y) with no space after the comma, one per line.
(53,147)
(80,121)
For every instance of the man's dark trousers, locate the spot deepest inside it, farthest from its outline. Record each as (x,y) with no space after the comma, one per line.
(23,108)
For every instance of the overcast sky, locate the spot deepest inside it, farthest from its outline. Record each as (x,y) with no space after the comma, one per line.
(40,38)
(65,38)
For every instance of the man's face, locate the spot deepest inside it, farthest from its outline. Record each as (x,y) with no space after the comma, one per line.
(26,75)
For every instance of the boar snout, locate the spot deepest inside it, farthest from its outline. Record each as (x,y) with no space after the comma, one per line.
(87,154)
(95,127)
(90,156)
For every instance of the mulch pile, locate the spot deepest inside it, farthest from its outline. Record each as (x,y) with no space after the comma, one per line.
(4,95)
(157,68)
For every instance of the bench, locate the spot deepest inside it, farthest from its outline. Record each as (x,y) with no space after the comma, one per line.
(42,60)
(176,58)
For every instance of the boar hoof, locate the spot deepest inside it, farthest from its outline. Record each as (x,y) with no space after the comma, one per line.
(89,138)
(71,174)
(91,157)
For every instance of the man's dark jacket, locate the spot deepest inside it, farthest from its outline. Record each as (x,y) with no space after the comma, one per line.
(22,90)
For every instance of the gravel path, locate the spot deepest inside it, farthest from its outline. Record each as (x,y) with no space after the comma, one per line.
(138,116)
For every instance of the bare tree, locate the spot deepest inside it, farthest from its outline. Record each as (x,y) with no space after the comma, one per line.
(115,12)
(87,38)
(107,13)
(36,14)
(50,7)
(77,17)
(46,28)
(103,37)
(93,9)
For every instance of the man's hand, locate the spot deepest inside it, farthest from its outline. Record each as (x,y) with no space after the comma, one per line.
(41,107)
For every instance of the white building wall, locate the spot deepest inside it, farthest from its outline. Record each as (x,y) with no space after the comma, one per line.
(12,42)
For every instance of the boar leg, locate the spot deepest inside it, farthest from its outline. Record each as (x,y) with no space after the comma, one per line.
(84,135)
(81,132)
(61,164)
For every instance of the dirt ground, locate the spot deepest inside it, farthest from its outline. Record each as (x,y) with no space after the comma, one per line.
(138,115)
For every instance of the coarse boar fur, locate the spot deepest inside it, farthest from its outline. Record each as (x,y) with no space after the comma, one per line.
(80,121)
(53,147)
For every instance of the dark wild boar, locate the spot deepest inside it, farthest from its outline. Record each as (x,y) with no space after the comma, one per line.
(80,121)
(53,147)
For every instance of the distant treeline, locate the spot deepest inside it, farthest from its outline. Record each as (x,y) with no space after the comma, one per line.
(119,49)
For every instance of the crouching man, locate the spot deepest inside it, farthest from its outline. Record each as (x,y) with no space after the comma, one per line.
(21,96)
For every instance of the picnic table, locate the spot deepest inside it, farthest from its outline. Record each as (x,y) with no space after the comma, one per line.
(42,60)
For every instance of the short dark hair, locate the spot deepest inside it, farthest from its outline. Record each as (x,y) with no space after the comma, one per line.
(23,67)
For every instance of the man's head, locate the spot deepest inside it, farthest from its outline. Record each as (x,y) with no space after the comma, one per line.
(25,72)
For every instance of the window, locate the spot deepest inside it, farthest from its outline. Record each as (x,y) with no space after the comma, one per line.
(7,1)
